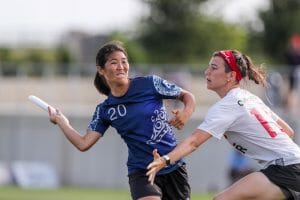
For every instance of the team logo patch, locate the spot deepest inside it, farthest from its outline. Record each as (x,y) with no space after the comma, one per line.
(240,102)
(160,127)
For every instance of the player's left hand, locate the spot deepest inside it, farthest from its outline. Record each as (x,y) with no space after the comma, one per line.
(179,119)
(157,164)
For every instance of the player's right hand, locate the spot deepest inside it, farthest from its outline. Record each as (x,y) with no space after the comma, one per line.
(57,117)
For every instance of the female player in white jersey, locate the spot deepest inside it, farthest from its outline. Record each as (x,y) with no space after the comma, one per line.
(250,127)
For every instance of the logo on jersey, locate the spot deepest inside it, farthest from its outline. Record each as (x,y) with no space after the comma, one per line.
(163,87)
(160,127)
(239,148)
(240,102)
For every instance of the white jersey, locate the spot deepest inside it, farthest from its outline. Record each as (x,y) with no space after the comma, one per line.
(250,126)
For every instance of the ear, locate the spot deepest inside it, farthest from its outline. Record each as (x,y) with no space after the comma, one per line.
(232,75)
(229,76)
(100,70)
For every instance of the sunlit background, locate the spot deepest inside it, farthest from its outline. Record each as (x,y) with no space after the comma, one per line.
(48,49)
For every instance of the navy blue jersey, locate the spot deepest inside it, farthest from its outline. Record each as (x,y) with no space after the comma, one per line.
(140,118)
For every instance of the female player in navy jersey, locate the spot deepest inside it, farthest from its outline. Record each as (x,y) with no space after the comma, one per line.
(134,107)
(250,127)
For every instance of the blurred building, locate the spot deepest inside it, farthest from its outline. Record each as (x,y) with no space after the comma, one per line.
(83,46)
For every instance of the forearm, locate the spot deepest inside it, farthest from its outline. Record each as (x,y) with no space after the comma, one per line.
(73,136)
(286,128)
(188,145)
(183,149)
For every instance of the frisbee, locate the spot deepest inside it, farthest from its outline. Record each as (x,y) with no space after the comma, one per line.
(40,103)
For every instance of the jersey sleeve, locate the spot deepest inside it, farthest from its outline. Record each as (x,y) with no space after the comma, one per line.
(166,89)
(97,123)
(275,117)
(218,120)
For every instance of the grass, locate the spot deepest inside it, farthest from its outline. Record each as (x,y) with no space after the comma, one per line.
(72,193)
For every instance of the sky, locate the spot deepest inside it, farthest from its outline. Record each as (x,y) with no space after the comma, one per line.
(45,20)
(238,11)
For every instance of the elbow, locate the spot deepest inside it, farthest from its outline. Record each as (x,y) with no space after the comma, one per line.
(193,102)
(197,139)
(291,133)
(83,148)
(189,99)
(194,145)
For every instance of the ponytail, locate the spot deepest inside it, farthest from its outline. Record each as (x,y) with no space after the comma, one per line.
(256,74)
(243,65)
(101,84)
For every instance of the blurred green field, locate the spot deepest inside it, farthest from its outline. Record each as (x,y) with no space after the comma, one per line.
(71,193)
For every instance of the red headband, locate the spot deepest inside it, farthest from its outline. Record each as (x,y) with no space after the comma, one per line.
(230,60)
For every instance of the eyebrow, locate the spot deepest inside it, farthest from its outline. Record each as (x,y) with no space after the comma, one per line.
(111,59)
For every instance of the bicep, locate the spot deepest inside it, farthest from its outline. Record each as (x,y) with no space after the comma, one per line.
(185,95)
(181,95)
(200,136)
(189,144)
(197,138)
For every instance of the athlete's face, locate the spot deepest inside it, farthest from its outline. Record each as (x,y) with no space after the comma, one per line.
(216,77)
(116,68)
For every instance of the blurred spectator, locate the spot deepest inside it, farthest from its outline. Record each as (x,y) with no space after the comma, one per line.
(275,96)
(293,61)
(5,175)
(240,166)
(182,78)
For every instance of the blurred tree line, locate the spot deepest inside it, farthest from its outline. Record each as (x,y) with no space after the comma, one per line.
(281,20)
(32,59)
(179,32)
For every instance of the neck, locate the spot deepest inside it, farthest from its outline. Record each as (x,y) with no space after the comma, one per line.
(223,92)
(119,89)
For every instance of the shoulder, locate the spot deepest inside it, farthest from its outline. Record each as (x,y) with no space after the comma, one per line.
(139,79)
(100,106)
(153,80)
(151,77)
(236,97)
(227,104)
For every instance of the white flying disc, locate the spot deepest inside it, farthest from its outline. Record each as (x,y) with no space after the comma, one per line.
(40,103)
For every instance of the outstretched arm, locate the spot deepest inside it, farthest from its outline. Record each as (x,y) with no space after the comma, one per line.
(83,143)
(186,147)
(286,128)
(182,116)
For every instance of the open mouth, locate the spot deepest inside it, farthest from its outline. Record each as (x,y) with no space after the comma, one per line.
(120,74)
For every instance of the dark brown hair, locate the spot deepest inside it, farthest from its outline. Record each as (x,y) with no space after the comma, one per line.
(101,58)
(247,68)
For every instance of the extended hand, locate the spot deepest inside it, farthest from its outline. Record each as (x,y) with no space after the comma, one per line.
(157,164)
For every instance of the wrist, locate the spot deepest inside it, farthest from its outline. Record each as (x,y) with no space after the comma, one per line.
(63,125)
(167,160)
(189,111)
